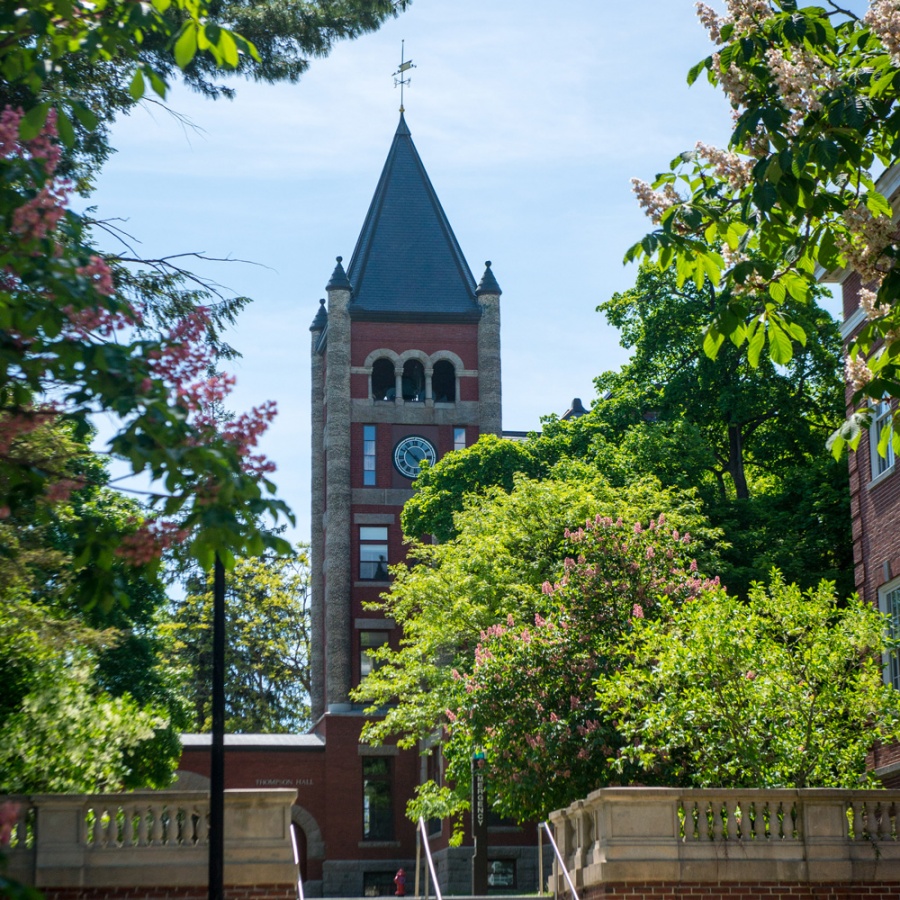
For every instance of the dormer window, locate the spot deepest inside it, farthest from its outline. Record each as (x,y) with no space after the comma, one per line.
(413,381)
(443,382)
(384,383)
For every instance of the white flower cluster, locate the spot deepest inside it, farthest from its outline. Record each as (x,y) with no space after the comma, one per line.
(883,18)
(857,372)
(865,242)
(711,21)
(654,203)
(729,166)
(868,301)
(732,257)
(800,79)
(753,286)
(745,15)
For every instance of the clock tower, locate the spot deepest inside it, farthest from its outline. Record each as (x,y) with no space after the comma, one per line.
(405,368)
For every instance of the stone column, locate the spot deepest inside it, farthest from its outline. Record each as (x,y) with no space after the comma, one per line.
(338,664)
(489,383)
(317,519)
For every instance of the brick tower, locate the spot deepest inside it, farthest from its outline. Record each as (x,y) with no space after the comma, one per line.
(405,367)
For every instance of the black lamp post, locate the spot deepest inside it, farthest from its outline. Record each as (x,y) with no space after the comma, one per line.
(217,761)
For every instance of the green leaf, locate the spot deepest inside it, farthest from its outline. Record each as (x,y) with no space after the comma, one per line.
(795,330)
(65,129)
(136,88)
(186,45)
(757,342)
(780,348)
(157,83)
(712,341)
(228,48)
(777,291)
(33,121)
(85,116)
(878,205)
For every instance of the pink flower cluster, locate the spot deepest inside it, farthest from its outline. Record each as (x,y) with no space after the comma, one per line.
(865,241)
(148,542)
(745,15)
(101,276)
(39,215)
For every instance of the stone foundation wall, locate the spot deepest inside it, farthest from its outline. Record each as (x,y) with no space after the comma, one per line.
(232,892)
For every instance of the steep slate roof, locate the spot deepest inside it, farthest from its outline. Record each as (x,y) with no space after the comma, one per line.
(407,265)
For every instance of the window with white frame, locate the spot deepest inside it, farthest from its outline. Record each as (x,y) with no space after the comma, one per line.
(368,455)
(373,553)
(889,604)
(881,420)
(459,438)
(369,641)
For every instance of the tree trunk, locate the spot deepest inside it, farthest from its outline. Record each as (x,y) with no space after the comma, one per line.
(736,461)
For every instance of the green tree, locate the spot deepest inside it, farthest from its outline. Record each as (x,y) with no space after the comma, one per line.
(506,547)
(785,690)
(814,91)
(267,676)
(85,335)
(749,439)
(94,666)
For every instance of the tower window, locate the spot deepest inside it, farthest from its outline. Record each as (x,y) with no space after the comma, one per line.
(443,382)
(414,381)
(373,553)
(459,438)
(378,807)
(369,641)
(368,454)
(384,384)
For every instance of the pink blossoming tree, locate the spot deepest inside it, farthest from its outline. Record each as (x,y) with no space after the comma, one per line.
(529,701)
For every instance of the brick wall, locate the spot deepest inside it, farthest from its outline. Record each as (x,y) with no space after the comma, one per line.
(747,891)
(875,507)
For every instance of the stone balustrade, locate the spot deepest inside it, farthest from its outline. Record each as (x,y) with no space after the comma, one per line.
(636,838)
(151,839)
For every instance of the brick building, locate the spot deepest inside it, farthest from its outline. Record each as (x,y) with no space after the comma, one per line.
(875,501)
(405,366)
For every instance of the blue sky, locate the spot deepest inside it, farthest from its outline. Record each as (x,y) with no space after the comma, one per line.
(530,119)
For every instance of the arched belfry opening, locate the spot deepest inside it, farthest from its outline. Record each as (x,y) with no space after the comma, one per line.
(414,381)
(443,382)
(384,383)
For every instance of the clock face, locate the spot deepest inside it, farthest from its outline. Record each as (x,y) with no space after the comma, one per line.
(410,452)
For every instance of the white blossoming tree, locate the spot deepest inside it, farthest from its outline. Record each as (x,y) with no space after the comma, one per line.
(814,94)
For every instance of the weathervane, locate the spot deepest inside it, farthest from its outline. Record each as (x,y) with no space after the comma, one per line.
(405,66)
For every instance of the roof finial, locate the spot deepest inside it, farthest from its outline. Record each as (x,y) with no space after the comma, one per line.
(405,66)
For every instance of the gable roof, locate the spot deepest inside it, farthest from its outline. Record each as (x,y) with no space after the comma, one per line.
(407,265)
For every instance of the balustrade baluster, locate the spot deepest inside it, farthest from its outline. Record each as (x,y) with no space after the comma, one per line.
(94,833)
(860,825)
(876,823)
(731,820)
(156,811)
(203,825)
(759,819)
(142,836)
(718,819)
(20,837)
(694,820)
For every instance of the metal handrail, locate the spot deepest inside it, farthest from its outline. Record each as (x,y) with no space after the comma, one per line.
(297,863)
(437,887)
(559,859)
